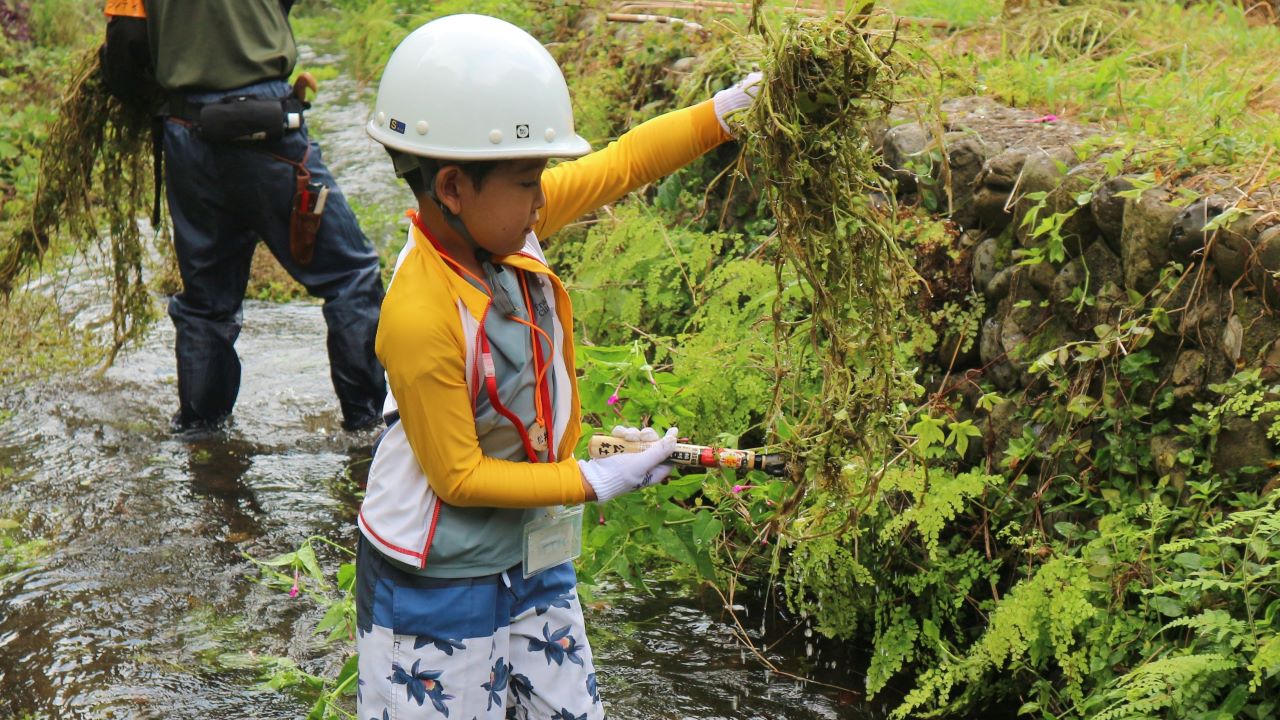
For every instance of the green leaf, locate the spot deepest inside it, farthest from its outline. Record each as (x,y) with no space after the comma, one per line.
(335,618)
(1081,405)
(1191,561)
(1167,606)
(310,565)
(784,429)
(285,559)
(1068,530)
(347,577)
(960,434)
(929,431)
(706,527)
(348,673)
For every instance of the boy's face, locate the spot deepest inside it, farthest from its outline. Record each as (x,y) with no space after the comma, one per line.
(505,207)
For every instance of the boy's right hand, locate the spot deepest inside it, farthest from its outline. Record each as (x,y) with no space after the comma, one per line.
(618,474)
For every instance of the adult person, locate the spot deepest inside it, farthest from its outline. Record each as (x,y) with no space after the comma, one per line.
(465,593)
(238,168)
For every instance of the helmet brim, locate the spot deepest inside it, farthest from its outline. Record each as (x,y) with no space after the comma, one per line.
(572,147)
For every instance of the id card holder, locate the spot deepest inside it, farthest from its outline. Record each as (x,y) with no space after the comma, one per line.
(552,538)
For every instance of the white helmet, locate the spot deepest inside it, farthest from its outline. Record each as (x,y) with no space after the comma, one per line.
(473,87)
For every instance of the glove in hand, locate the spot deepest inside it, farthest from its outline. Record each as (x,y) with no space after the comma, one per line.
(622,473)
(735,98)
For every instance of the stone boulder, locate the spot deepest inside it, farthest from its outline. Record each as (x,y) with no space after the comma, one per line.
(1232,247)
(1107,207)
(1242,443)
(1057,173)
(1188,236)
(1144,239)
(966,156)
(1264,274)
(904,154)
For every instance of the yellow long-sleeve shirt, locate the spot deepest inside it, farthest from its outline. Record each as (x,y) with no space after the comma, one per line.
(421,342)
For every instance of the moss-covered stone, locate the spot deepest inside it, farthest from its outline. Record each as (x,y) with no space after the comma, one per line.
(966,155)
(1232,247)
(1107,207)
(1188,374)
(996,367)
(1144,241)
(1188,237)
(1242,443)
(1264,275)
(991,208)
(984,263)
(903,150)
(1056,172)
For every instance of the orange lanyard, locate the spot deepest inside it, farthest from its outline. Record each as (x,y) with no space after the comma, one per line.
(542,394)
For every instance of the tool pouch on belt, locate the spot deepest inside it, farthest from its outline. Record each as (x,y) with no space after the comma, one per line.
(245,118)
(304,220)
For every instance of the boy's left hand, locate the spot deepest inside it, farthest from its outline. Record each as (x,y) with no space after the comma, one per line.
(737,97)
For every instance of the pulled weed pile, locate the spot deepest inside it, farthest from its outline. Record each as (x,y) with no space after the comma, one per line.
(827,81)
(96,169)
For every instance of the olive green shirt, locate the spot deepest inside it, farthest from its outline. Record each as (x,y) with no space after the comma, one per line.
(219,44)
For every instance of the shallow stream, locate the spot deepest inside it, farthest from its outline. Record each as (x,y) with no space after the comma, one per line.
(123,569)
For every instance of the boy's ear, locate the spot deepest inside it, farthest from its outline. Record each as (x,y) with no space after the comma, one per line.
(448,181)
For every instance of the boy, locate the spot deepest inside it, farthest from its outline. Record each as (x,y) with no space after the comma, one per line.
(466,595)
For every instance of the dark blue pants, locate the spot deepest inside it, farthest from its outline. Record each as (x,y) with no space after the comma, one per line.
(224,198)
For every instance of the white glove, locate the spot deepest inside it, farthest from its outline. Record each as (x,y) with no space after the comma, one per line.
(618,474)
(735,98)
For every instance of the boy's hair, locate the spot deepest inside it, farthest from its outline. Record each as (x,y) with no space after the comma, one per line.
(417,170)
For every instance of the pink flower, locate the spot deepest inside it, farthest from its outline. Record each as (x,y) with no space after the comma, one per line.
(613,399)
(1044,119)
(739,488)
(601,518)
(293,591)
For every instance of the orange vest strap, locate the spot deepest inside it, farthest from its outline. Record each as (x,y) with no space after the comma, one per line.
(125,8)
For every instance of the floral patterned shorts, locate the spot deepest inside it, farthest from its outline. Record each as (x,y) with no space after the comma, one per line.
(492,647)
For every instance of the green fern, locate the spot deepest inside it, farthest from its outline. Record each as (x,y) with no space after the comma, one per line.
(1155,688)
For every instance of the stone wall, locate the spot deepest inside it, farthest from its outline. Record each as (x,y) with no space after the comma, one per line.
(1223,310)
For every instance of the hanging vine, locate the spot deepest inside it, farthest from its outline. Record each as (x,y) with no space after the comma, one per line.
(95,173)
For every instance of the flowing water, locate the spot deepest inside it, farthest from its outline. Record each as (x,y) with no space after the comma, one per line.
(125,583)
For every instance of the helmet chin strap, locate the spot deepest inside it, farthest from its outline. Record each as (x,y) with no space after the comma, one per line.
(501,300)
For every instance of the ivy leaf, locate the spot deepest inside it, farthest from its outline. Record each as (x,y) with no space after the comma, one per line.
(928,430)
(960,434)
(1080,405)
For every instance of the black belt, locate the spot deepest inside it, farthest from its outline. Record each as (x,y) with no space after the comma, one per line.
(181,108)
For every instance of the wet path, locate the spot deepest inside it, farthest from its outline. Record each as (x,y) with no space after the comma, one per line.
(124,586)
